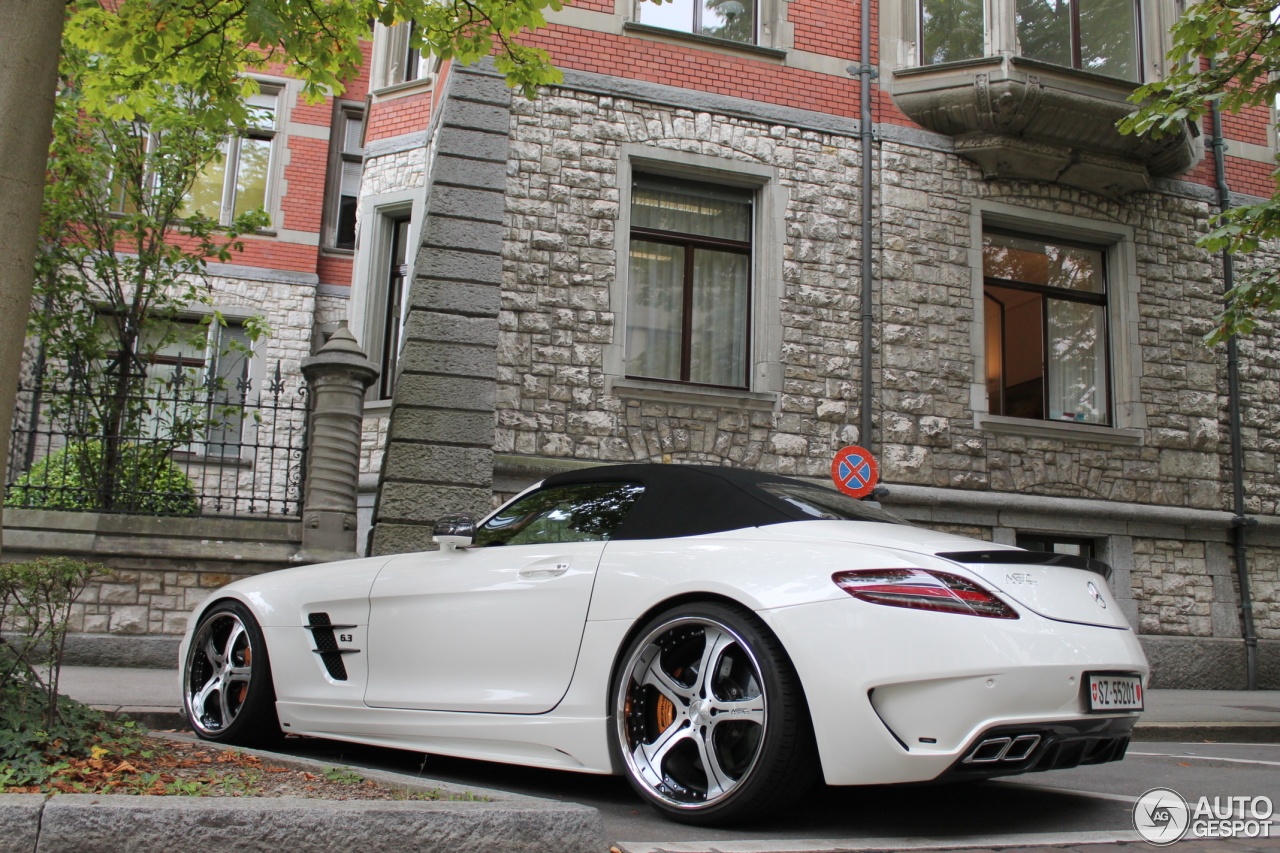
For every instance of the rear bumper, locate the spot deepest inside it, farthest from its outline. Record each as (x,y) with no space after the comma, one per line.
(899,695)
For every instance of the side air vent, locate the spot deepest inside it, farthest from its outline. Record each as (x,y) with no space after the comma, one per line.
(327,645)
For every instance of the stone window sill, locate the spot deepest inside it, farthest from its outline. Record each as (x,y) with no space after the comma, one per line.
(1061,430)
(632,28)
(689,395)
(374,408)
(401,90)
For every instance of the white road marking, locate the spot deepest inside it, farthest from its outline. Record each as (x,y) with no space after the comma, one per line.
(852,845)
(1201,758)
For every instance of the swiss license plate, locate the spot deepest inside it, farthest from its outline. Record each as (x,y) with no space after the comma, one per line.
(1115,693)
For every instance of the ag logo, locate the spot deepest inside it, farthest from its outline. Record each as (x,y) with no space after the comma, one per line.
(1161,816)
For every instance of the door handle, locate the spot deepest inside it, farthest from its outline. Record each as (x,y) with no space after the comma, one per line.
(543,570)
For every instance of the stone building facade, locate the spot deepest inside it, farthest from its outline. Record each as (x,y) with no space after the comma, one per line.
(486,274)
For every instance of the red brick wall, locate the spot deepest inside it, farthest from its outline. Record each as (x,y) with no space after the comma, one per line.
(334,269)
(399,116)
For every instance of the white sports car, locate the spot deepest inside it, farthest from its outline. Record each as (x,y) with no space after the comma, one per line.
(720,636)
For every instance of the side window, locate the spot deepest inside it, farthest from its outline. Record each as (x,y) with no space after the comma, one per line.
(588,512)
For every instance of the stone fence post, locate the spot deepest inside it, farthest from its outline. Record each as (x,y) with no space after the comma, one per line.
(337,376)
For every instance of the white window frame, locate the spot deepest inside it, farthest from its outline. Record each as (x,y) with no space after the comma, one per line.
(1128,410)
(391,54)
(231,158)
(368,304)
(767,241)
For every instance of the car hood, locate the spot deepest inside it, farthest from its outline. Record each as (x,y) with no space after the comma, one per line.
(1060,592)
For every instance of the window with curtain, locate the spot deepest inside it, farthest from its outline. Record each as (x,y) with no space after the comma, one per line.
(1093,35)
(1045,310)
(727,19)
(237,181)
(688,290)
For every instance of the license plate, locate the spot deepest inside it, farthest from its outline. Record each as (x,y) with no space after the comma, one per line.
(1115,693)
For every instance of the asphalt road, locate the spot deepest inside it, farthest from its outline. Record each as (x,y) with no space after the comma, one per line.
(1097,798)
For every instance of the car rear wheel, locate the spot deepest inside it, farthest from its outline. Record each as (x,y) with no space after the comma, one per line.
(226,681)
(709,717)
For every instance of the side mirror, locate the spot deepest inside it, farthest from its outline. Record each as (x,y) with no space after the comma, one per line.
(455,530)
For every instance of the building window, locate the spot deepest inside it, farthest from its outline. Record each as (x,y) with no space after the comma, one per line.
(727,19)
(237,181)
(689,281)
(348,165)
(951,30)
(1101,36)
(214,356)
(1057,544)
(1045,311)
(395,274)
(1093,35)
(400,61)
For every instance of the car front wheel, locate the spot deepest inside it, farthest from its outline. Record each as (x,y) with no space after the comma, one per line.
(226,681)
(710,719)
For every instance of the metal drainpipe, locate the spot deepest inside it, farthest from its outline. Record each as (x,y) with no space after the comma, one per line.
(1240,522)
(865,72)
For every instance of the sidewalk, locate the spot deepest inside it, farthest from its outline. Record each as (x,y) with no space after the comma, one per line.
(152,696)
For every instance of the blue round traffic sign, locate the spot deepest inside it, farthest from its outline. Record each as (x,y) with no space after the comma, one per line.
(854,471)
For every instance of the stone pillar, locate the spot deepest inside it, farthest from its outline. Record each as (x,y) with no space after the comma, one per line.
(439,455)
(337,377)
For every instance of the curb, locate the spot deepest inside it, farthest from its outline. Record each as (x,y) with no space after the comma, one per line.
(1219,732)
(97,823)
(162,718)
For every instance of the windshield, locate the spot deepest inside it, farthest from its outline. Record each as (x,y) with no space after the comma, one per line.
(825,503)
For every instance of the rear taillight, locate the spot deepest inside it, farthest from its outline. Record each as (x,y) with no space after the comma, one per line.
(923,589)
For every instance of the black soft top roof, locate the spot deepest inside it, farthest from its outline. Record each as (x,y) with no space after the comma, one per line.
(689,500)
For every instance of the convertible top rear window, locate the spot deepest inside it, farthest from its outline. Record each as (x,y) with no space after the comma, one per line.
(824,503)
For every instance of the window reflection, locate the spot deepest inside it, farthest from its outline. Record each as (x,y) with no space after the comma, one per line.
(587,512)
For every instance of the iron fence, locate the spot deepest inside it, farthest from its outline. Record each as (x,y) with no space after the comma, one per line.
(176,442)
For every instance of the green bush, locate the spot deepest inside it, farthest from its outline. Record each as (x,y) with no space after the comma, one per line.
(39,728)
(146,481)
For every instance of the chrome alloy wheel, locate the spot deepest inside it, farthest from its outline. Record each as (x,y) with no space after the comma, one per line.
(218,672)
(692,718)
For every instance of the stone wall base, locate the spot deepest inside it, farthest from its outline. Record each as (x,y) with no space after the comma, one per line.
(106,650)
(1207,663)
(162,567)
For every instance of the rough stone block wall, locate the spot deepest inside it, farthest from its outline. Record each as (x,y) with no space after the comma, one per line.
(134,602)
(1264,582)
(1173,588)
(562,209)
(559,260)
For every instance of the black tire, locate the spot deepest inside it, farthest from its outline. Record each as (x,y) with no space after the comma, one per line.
(227,692)
(749,719)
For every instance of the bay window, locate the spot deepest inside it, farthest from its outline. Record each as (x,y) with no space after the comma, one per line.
(1100,36)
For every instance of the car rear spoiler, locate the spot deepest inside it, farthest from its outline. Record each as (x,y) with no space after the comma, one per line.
(1032,558)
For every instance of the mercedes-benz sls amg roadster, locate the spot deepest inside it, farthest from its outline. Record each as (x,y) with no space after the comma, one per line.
(721,637)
